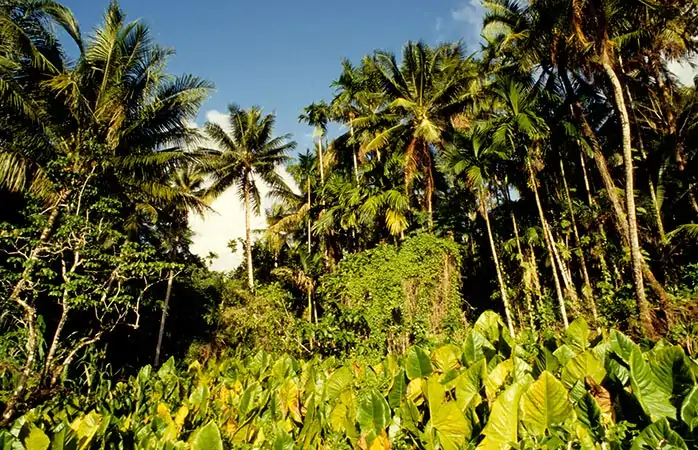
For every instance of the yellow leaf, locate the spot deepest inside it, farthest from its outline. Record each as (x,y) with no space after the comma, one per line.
(381,442)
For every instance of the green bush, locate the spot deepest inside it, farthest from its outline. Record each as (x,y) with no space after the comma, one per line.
(388,298)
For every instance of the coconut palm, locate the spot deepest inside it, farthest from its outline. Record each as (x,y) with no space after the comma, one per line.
(424,91)
(246,153)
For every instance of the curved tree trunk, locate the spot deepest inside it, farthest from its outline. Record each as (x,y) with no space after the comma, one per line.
(495,258)
(248,234)
(163,318)
(549,244)
(636,258)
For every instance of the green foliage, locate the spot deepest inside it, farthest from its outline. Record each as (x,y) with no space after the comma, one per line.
(388,298)
(424,398)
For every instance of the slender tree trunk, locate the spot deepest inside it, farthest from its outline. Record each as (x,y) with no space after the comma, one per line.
(636,258)
(163,318)
(353,154)
(321,161)
(495,258)
(309,223)
(617,207)
(248,234)
(656,208)
(527,293)
(549,244)
(587,292)
(536,278)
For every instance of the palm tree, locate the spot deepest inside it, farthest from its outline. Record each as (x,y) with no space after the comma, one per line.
(114,119)
(248,151)
(423,93)
(470,161)
(317,115)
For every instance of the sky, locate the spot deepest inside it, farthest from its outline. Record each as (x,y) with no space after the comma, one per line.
(280,55)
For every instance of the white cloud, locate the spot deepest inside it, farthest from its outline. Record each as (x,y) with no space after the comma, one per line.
(469,13)
(683,71)
(226,221)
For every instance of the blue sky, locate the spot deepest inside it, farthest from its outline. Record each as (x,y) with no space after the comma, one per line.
(283,54)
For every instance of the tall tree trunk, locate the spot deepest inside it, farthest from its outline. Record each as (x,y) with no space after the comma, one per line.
(163,318)
(549,244)
(321,161)
(656,208)
(522,260)
(495,258)
(353,154)
(587,292)
(636,258)
(309,238)
(248,233)
(617,207)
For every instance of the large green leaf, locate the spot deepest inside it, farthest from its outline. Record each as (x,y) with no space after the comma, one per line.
(671,370)
(469,383)
(489,324)
(689,409)
(581,366)
(545,405)
(398,389)
(658,435)
(373,414)
(337,382)
(476,347)
(648,391)
(207,438)
(501,430)
(37,439)
(589,415)
(577,335)
(417,364)
(622,345)
(452,428)
(446,357)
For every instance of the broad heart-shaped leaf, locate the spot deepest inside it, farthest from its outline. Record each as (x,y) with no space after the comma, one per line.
(469,383)
(577,335)
(671,370)
(622,345)
(373,414)
(476,347)
(581,366)
(337,382)
(658,435)
(446,357)
(435,394)
(489,324)
(589,415)
(37,439)
(648,391)
(417,364)
(452,428)
(501,430)
(545,404)
(207,438)
(689,409)
(398,389)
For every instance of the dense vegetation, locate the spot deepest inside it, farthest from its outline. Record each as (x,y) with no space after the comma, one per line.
(549,177)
